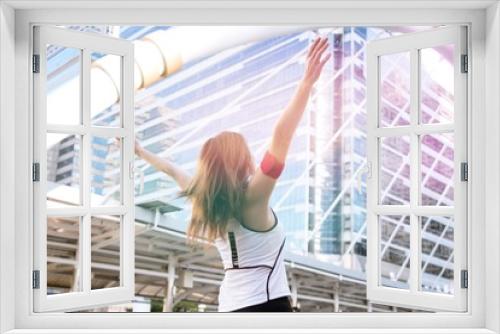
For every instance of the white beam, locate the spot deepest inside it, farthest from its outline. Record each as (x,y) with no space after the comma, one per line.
(168,304)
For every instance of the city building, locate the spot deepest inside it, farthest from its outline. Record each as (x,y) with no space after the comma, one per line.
(321,196)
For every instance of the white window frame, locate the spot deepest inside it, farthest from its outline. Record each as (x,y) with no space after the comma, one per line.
(412,44)
(86,297)
(16,19)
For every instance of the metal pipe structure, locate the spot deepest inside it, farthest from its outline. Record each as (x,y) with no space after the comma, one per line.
(158,55)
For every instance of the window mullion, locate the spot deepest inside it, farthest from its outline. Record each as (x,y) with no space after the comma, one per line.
(414,172)
(127,185)
(86,165)
(109,210)
(419,129)
(66,129)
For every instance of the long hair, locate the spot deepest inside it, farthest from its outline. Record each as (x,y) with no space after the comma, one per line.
(217,189)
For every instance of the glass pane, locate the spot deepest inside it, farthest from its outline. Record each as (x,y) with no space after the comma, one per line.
(105,89)
(63,259)
(63,85)
(437,84)
(394,171)
(437,254)
(63,170)
(437,169)
(394,251)
(106,171)
(394,90)
(106,236)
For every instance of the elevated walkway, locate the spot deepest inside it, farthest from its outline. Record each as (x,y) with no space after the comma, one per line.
(317,286)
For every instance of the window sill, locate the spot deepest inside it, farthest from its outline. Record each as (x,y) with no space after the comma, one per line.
(253,331)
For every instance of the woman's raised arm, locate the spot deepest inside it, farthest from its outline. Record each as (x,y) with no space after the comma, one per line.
(262,184)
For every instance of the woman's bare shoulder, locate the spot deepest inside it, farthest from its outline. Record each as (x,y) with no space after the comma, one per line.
(257,218)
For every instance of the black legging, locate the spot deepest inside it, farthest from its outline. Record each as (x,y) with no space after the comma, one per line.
(281,304)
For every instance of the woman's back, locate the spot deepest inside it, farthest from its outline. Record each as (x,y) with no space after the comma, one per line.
(254,266)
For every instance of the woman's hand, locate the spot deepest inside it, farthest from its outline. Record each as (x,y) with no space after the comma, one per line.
(315,61)
(138,148)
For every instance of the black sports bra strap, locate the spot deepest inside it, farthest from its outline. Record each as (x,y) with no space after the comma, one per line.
(234,250)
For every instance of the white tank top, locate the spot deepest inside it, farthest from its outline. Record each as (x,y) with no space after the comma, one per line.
(254,266)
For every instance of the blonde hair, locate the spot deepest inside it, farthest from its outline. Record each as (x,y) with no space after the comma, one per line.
(217,189)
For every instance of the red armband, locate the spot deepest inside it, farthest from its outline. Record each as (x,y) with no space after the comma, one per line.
(270,166)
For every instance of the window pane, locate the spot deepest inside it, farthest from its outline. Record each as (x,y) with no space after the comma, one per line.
(106,171)
(63,170)
(63,255)
(394,251)
(106,236)
(394,170)
(394,89)
(63,85)
(437,84)
(105,88)
(437,172)
(437,254)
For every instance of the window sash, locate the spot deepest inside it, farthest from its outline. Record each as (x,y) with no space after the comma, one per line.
(413,297)
(86,298)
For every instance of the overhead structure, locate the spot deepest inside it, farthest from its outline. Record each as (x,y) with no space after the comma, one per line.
(168,269)
(158,55)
